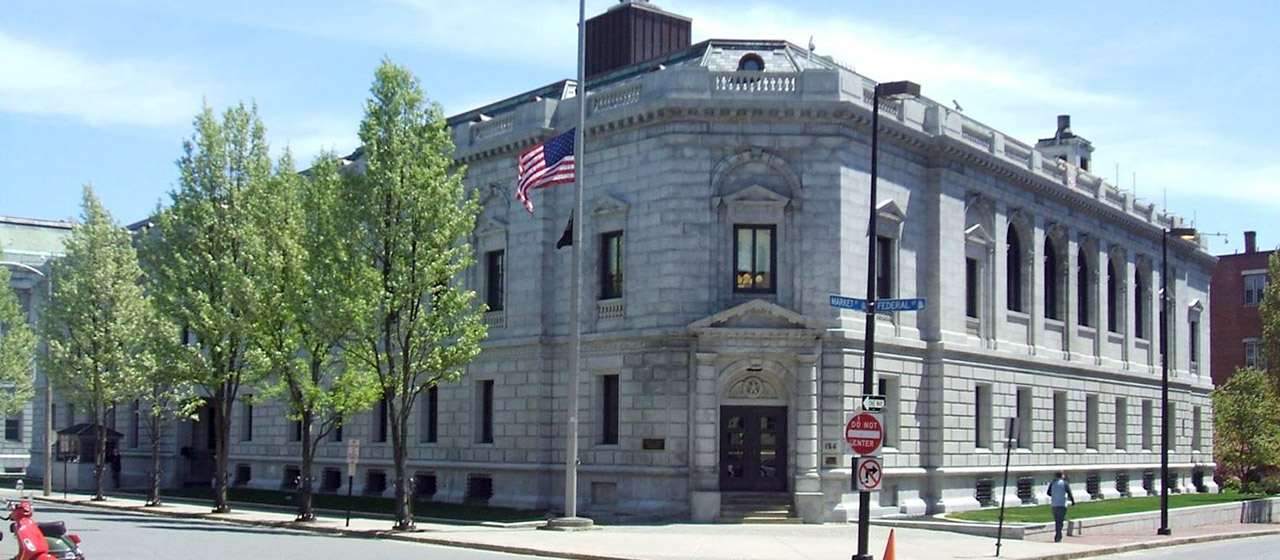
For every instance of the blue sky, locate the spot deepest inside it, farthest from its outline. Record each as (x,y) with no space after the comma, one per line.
(1183,97)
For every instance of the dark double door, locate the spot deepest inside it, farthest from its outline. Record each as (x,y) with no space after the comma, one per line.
(753,448)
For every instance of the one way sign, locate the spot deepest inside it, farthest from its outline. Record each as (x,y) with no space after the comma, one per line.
(867,473)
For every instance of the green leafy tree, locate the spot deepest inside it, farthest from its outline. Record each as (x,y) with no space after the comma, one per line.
(165,396)
(1246,433)
(1270,310)
(412,217)
(95,322)
(17,350)
(306,274)
(200,263)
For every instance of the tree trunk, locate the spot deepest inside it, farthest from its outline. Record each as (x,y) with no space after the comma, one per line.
(153,499)
(99,452)
(305,510)
(404,497)
(222,433)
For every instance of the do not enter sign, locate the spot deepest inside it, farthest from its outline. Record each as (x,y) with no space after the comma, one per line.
(864,432)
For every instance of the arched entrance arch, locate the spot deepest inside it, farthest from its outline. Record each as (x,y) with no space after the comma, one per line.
(753,431)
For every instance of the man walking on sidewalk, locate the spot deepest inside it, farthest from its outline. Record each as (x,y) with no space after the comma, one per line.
(1059,493)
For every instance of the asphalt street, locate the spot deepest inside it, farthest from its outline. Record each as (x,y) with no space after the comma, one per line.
(130,536)
(1255,548)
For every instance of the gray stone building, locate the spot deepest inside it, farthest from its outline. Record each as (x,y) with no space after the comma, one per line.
(27,246)
(726,199)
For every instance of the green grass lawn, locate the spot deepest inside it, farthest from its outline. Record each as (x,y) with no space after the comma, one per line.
(1100,508)
(358,503)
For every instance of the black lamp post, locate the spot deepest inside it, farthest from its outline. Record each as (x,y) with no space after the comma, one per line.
(1186,234)
(889,90)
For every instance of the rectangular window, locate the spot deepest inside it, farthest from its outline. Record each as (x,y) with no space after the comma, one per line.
(611,265)
(296,434)
(111,418)
(609,409)
(1250,352)
(1024,418)
(431,417)
(134,420)
(13,428)
(53,414)
(1113,296)
(892,405)
(1253,287)
(1091,422)
(384,414)
(1059,420)
(971,288)
(336,434)
(484,411)
(884,267)
(1147,426)
(982,417)
(1196,426)
(493,280)
(1173,426)
(71,415)
(1122,423)
(246,423)
(753,259)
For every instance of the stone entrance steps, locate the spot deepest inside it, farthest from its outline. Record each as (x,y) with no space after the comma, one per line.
(757,507)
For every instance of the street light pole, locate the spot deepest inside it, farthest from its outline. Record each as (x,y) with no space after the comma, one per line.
(889,90)
(1184,233)
(48,387)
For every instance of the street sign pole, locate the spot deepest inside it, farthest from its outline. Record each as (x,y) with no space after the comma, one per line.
(353,457)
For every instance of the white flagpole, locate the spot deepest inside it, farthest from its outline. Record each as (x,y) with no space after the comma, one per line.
(575,290)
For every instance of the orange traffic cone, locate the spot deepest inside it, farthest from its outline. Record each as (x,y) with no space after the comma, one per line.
(888,548)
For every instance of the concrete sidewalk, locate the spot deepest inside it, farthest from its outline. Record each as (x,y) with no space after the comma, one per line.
(679,541)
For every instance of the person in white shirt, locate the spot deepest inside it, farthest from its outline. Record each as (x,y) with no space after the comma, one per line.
(1059,493)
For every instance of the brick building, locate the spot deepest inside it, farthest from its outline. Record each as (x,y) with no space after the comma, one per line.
(1236,290)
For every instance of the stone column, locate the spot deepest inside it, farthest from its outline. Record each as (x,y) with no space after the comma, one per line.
(705,481)
(808,483)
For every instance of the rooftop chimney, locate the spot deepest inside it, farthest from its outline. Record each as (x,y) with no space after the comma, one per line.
(632,32)
(1064,127)
(1250,242)
(1066,146)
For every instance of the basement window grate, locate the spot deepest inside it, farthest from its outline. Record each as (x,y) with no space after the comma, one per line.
(1093,486)
(1149,482)
(1122,484)
(424,486)
(479,488)
(983,492)
(1026,489)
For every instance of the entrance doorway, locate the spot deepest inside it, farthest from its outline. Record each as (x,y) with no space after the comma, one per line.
(753,448)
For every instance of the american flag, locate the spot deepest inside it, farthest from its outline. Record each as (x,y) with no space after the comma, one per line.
(547,164)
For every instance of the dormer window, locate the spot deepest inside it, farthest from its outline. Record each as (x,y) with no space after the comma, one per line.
(751,63)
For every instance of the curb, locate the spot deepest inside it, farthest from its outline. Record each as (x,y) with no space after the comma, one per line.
(1150,545)
(420,537)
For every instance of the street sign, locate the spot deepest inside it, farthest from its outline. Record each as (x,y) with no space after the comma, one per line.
(864,432)
(867,474)
(353,454)
(892,305)
(873,403)
(842,302)
(882,305)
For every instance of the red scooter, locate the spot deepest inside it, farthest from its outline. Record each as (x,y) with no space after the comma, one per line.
(41,541)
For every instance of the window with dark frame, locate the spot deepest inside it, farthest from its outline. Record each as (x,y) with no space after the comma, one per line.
(135,419)
(486,410)
(431,416)
(1254,285)
(884,267)
(1193,341)
(754,259)
(297,431)
(1139,305)
(1052,299)
(1083,301)
(1013,271)
(13,428)
(493,294)
(609,409)
(246,433)
(1113,293)
(384,414)
(611,265)
(971,288)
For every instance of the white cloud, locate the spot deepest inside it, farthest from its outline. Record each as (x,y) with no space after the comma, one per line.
(47,80)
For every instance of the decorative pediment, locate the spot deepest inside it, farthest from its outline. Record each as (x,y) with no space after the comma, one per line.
(609,204)
(756,195)
(759,317)
(978,234)
(490,226)
(1195,306)
(889,210)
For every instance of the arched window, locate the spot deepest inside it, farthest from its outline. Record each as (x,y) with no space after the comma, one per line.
(751,63)
(1084,287)
(1013,270)
(1052,297)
